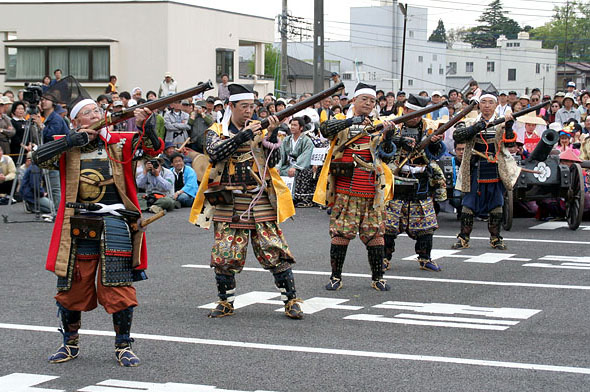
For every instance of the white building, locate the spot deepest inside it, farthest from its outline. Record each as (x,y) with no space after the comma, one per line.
(374,52)
(136,41)
(515,64)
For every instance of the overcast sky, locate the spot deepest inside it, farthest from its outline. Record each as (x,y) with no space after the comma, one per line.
(454,13)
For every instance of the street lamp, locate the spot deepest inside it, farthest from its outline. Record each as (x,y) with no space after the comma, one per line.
(404,10)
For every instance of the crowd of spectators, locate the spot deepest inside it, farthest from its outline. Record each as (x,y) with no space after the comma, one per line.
(169,182)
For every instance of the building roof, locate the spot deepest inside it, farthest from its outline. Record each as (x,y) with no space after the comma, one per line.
(461,83)
(134,2)
(299,69)
(579,66)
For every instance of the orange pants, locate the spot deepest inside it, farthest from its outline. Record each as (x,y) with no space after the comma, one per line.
(87,290)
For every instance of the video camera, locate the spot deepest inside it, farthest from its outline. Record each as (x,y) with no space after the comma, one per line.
(32,94)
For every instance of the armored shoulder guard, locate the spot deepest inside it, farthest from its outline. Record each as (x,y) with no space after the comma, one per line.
(221,149)
(330,128)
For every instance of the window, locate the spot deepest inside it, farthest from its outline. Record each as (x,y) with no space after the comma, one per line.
(346,76)
(411,33)
(31,63)
(469,66)
(452,68)
(537,68)
(512,74)
(491,66)
(509,44)
(410,82)
(420,59)
(517,44)
(246,59)
(224,64)
(434,57)
(430,70)
(441,70)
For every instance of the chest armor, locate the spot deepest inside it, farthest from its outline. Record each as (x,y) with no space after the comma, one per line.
(238,166)
(414,133)
(355,130)
(96,179)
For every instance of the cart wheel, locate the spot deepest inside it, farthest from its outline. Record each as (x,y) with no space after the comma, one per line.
(507,210)
(575,197)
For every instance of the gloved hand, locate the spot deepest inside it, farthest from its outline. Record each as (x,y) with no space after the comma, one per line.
(244,136)
(77,139)
(480,126)
(407,144)
(355,120)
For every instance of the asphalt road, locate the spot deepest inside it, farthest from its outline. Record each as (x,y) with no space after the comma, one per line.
(518,321)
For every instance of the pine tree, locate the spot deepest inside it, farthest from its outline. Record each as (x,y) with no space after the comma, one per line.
(494,23)
(439,34)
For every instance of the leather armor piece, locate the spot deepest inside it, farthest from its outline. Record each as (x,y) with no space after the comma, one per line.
(337,256)
(423,246)
(463,134)
(49,150)
(375,254)
(285,282)
(226,287)
(223,150)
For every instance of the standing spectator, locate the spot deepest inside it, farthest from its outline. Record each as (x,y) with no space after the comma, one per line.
(125,97)
(524,100)
(53,125)
(176,124)
(151,95)
(512,97)
(185,182)
(454,97)
(7,173)
(335,100)
(324,111)
(586,128)
(568,111)
(199,122)
(503,105)
(45,82)
(218,110)
(112,86)
(439,113)
(158,183)
(223,91)
(17,114)
(6,129)
(168,86)
(474,88)
(389,107)
(549,117)
(559,97)
(136,93)
(583,99)
(571,88)
(10,95)
(57,74)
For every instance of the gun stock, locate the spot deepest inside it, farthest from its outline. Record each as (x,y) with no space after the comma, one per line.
(126,114)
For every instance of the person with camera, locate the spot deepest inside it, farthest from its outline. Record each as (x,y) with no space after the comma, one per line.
(158,183)
(185,182)
(243,195)
(296,151)
(7,130)
(54,125)
(96,250)
(199,121)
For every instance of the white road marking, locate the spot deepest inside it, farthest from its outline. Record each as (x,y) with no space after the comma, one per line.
(309,306)
(577,259)
(25,382)
(394,320)
(485,258)
(514,239)
(320,350)
(555,226)
(456,319)
(419,279)
(439,308)
(137,386)
(570,262)
(545,265)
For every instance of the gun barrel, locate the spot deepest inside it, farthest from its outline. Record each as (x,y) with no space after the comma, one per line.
(545,145)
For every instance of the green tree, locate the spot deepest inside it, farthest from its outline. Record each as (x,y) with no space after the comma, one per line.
(571,22)
(494,23)
(439,34)
(272,63)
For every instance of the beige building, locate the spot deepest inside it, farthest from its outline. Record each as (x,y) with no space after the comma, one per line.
(138,41)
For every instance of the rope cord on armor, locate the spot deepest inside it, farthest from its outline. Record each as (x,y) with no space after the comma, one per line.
(490,160)
(273,146)
(134,149)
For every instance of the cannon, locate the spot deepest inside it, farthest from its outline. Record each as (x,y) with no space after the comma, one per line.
(545,177)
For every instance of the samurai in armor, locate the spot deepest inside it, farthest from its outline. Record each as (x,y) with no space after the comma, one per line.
(96,255)
(419,183)
(356,183)
(487,170)
(243,195)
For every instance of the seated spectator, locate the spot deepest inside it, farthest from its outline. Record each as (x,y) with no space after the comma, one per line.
(176,124)
(439,113)
(7,173)
(185,182)
(32,191)
(158,183)
(296,151)
(166,155)
(565,138)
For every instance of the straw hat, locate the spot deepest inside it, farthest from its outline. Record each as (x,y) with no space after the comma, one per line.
(531,118)
(569,155)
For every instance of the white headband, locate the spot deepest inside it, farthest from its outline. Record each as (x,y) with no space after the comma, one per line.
(413,107)
(241,97)
(79,106)
(489,96)
(368,91)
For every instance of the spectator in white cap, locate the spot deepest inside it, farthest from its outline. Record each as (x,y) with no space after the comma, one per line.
(136,93)
(503,106)
(571,87)
(168,86)
(218,110)
(525,101)
(439,113)
(567,111)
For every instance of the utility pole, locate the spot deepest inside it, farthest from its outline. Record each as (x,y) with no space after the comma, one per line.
(567,10)
(393,44)
(404,10)
(318,46)
(284,71)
